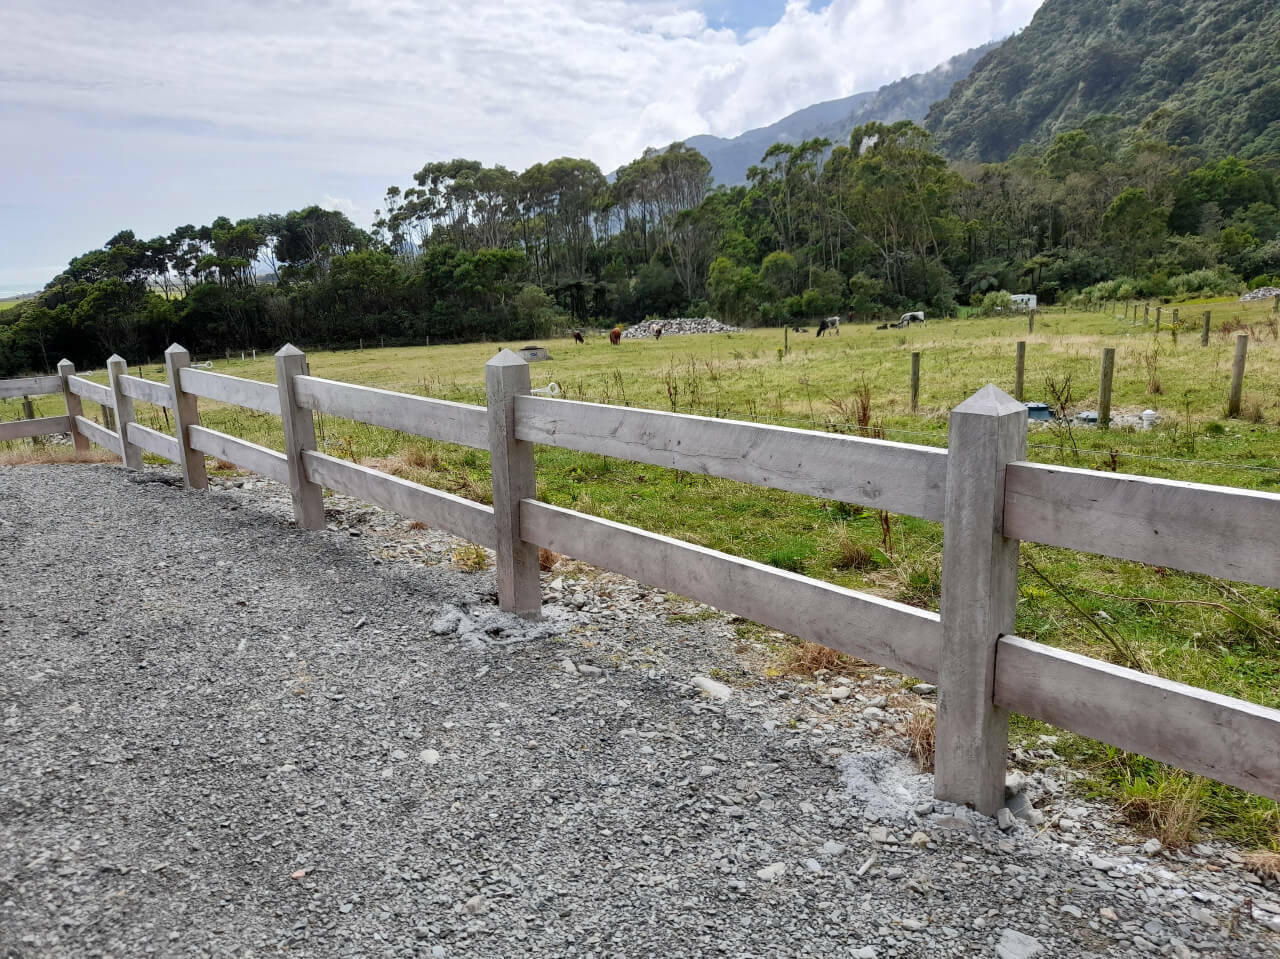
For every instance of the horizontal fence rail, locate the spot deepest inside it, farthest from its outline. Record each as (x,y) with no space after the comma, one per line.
(897,477)
(30,386)
(981,489)
(263,397)
(1224,532)
(90,390)
(157,394)
(43,426)
(443,420)
(242,453)
(890,634)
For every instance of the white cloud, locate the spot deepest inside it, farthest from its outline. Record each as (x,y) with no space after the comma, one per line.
(341,204)
(268,103)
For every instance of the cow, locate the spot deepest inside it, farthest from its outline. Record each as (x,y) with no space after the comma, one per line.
(577,336)
(906,318)
(831,323)
(657,332)
(615,335)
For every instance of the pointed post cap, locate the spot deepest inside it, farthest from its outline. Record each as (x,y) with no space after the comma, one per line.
(991,401)
(289,350)
(66,364)
(175,348)
(115,359)
(507,358)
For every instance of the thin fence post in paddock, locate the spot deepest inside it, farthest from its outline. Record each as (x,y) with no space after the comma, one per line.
(1104,387)
(915,381)
(1237,374)
(1146,313)
(185,414)
(1158,319)
(299,437)
(130,454)
(1019,368)
(1204,330)
(75,408)
(29,413)
(1031,322)
(506,376)
(979,594)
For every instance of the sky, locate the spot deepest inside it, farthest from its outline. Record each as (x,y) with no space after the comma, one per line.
(149,114)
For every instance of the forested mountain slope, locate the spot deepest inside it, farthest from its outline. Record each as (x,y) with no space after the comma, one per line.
(905,99)
(1204,72)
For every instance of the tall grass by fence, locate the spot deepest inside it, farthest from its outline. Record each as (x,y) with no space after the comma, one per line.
(983,491)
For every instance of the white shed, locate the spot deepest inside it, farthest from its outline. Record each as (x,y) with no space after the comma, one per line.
(1024,301)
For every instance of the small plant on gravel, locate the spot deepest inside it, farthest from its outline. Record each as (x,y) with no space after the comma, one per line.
(1168,805)
(921,735)
(418,524)
(805,659)
(470,559)
(547,559)
(1264,863)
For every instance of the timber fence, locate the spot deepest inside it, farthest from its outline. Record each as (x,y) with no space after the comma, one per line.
(981,488)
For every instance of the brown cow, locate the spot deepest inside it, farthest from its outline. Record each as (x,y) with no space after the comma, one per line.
(577,336)
(615,335)
(657,332)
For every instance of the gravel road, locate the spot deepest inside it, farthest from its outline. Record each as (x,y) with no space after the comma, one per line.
(224,736)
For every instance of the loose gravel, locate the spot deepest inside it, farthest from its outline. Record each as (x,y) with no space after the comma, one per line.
(223,736)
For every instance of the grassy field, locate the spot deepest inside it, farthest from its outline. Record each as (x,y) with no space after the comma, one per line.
(1222,636)
(7,304)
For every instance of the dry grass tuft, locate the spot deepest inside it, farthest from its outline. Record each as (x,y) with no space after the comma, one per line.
(226,465)
(44,455)
(922,735)
(1170,807)
(470,559)
(850,554)
(547,559)
(1265,863)
(807,658)
(420,459)
(418,524)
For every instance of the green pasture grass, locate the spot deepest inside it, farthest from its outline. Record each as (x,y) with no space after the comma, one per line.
(1210,633)
(8,304)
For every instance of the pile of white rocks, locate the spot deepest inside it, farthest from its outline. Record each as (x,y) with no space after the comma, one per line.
(681,326)
(1261,293)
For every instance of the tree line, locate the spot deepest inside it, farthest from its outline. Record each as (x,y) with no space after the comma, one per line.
(882,222)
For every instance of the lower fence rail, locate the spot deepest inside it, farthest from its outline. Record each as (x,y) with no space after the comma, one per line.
(25,429)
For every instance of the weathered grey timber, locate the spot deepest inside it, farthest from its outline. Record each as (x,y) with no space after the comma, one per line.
(454,514)
(30,386)
(242,453)
(149,391)
(1104,387)
(252,394)
(896,477)
(506,377)
(1019,367)
(186,417)
(1237,374)
(104,437)
(979,594)
(153,441)
(442,420)
(1217,530)
(90,390)
(66,369)
(123,403)
(879,630)
(1227,739)
(43,426)
(299,436)
(915,381)
(1204,331)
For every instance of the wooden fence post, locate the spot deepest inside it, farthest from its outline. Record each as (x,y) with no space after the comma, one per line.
(130,454)
(979,594)
(299,436)
(1146,313)
(1204,331)
(506,376)
(915,381)
(1031,322)
(1158,309)
(1104,388)
(185,414)
(74,407)
(1018,371)
(1237,374)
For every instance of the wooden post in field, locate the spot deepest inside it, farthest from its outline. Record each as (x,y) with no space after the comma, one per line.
(1018,371)
(1275,304)
(785,346)
(1146,313)
(979,593)
(1204,331)
(29,412)
(1175,320)
(130,454)
(513,479)
(915,381)
(1104,388)
(1237,374)
(506,376)
(185,413)
(1031,322)
(299,436)
(1158,319)
(74,407)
